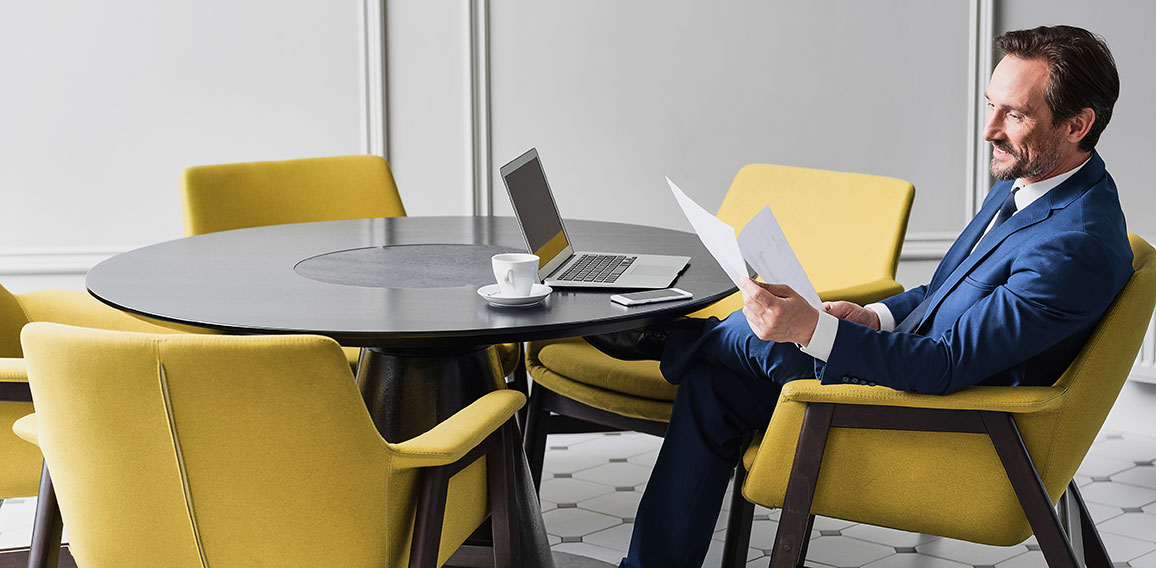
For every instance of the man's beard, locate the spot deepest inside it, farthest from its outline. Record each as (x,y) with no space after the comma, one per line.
(1045,156)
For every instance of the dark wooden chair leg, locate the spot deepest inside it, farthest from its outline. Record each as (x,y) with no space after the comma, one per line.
(739,521)
(519,380)
(47,528)
(1069,515)
(503,508)
(806,540)
(427,527)
(1095,554)
(1034,500)
(793,534)
(537,425)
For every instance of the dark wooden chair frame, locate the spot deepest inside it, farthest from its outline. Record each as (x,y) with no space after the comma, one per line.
(1064,537)
(499,449)
(583,418)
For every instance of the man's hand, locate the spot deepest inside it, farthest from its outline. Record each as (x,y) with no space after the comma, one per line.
(854,313)
(776,313)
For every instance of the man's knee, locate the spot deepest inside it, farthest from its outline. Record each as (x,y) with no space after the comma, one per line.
(725,406)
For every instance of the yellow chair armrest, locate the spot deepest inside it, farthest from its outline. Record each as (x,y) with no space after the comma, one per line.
(451,440)
(864,293)
(1018,400)
(13,370)
(79,308)
(26,429)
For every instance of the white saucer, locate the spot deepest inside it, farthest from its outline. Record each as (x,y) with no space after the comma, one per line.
(494,296)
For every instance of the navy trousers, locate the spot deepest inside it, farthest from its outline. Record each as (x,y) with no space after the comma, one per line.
(729,381)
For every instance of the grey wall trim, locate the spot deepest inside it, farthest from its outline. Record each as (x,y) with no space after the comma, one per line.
(55,261)
(480,110)
(374,79)
(928,246)
(980,61)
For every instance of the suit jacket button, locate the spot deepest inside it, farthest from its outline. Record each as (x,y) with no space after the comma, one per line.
(846,379)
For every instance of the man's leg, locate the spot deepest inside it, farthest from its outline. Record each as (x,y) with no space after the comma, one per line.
(730,343)
(714,409)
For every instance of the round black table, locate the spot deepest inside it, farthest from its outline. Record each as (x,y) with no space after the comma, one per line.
(405,289)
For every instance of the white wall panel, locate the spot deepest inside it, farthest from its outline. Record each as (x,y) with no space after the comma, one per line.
(616,95)
(429,105)
(104,103)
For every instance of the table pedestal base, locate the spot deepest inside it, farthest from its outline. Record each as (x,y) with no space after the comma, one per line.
(408,393)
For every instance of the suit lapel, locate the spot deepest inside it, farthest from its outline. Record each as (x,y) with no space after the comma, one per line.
(1058,198)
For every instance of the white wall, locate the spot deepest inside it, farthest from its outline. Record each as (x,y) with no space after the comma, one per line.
(616,95)
(104,103)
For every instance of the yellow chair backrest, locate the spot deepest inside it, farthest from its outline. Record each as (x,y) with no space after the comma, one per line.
(245,451)
(838,224)
(253,194)
(1090,385)
(847,229)
(12,318)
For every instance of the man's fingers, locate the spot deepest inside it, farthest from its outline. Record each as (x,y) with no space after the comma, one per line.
(753,287)
(780,290)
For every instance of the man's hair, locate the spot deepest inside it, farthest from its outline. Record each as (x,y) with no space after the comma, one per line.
(1081,72)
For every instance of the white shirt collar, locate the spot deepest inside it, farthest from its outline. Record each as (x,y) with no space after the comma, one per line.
(1033,191)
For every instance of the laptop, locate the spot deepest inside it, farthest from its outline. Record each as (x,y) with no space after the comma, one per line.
(560,265)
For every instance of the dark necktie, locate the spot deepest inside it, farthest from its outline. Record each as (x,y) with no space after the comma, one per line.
(1006,210)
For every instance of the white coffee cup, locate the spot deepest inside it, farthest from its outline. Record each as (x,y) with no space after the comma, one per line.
(516,273)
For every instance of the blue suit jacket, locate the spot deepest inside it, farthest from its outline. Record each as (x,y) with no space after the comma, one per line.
(1015,311)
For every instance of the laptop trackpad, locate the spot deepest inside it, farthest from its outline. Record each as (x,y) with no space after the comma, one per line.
(650,271)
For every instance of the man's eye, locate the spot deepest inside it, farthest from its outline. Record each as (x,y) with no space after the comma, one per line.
(1016,116)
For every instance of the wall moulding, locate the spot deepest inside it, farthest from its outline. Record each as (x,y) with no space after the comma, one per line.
(55,261)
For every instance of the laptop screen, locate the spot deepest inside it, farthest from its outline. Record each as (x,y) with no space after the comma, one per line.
(534,206)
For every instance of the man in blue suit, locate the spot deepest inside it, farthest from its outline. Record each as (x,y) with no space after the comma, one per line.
(1012,302)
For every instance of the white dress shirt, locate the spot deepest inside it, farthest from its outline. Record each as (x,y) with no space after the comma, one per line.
(823,339)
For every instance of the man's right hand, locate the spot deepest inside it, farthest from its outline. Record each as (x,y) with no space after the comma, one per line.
(853,312)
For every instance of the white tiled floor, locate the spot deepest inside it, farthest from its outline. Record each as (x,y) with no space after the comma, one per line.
(592,483)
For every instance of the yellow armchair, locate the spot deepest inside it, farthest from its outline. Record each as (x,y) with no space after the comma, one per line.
(847,230)
(254,194)
(985,464)
(183,450)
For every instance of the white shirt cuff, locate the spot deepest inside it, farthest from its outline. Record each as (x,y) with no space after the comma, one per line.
(886,320)
(824,337)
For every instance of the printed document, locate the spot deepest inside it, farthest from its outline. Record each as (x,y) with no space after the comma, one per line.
(761,244)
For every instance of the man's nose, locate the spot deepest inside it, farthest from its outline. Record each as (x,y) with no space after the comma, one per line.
(992,129)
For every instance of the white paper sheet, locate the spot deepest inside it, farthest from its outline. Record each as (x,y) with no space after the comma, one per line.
(762,244)
(765,247)
(717,236)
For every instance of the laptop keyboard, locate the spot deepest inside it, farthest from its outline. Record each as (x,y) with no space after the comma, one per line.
(597,268)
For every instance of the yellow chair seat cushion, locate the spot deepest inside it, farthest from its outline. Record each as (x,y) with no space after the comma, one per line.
(576,360)
(630,388)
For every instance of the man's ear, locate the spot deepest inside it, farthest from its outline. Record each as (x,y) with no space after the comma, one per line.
(1079,125)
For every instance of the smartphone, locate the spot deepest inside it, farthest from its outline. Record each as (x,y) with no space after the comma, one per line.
(650,297)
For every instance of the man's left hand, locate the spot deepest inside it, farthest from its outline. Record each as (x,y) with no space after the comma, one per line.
(777,313)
